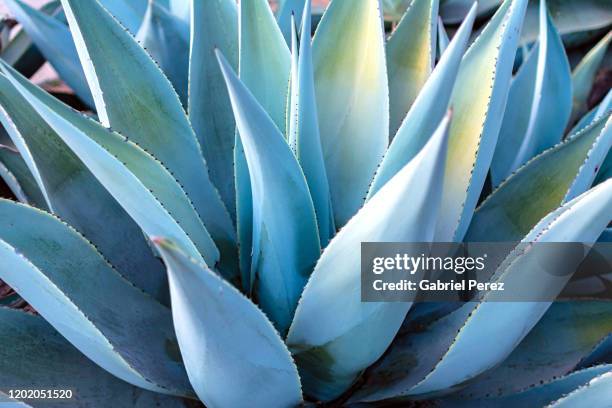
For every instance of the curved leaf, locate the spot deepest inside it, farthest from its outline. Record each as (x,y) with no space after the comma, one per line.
(32,354)
(597,112)
(478,100)
(264,67)
(287,9)
(453,11)
(304,137)
(352,99)
(129,13)
(180,8)
(583,75)
(166,39)
(285,237)
(329,331)
(233,355)
(72,192)
(134,98)
(595,393)
(15,172)
(426,112)
(443,40)
(210,111)
(547,181)
(550,106)
(443,356)
(53,40)
(69,283)
(411,53)
(145,189)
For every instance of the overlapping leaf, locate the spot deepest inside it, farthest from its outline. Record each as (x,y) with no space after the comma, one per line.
(18,177)
(329,331)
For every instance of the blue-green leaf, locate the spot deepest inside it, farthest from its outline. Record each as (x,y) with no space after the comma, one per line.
(478,101)
(411,53)
(352,99)
(69,283)
(15,172)
(285,237)
(129,13)
(181,8)
(210,111)
(453,11)
(329,331)
(54,41)
(134,98)
(597,112)
(583,75)
(264,67)
(287,9)
(427,111)
(552,178)
(232,353)
(72,192)
(443,40)
(549,108)
(596,393)
(443,356)
(166,39)
(145,189)
(303,136)
(34,356)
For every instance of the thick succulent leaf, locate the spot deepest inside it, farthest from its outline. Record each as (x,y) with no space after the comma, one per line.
(328,333)
(129,13)
(427,111)
(539,395)
(303,136)
(145,189)
(264,67)
(556,345)
(478,100)
(549,109)
(411,53)
(570,17)
(596,393)
(443,356)
(180,8)
(453,11)
(166,39)
(285,237)
(53,40)
(210,111)
(352,99)
(583,75)
(443,40)
(59,273)
(134,98)
(597,112)
(552,178)
(72,192)
(234,356)
(15,172)
(34,356)
(287,9)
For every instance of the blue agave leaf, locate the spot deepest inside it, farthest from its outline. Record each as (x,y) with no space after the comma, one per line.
(232,353)
(540,395)
(428,109)
(69,283)
(443,356)
(478,101)
(285,237)
(583,75)
(134,98)
(210,111)
(556,345)
(352,99)
(550,105)
(596,393)
(54,41)
(181,8)
(411,53)
(597,112)
(72,192)
(287,9)
(303,135)
(453,11)
(32,354)
(129,13)
(166,39)
(15,173)
(443,40)
(139,182)
(264,67)
(552,178)
(602,352)
(329,331)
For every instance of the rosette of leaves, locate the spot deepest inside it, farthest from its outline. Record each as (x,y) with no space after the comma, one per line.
(194,232)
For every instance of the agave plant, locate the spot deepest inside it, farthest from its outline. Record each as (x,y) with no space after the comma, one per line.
(254,160)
